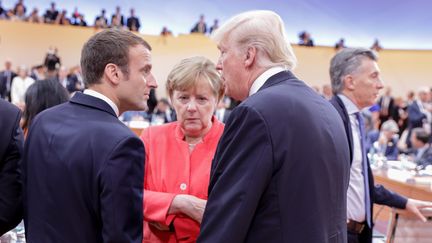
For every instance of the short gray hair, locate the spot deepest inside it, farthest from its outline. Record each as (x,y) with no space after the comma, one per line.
(345,62)
(263,30)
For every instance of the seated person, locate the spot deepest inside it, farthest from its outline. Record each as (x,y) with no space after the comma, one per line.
(385,141)
(179,154)
(423,149)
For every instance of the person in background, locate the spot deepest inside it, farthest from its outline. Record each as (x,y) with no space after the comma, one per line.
(19,87)
(305,39)
(420,140)
(133,22)
(200,26)
(385,141)
(179,154)
(40,96)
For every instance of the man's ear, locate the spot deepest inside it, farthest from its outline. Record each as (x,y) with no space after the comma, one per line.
(349,82)
(251,53)
(113,73)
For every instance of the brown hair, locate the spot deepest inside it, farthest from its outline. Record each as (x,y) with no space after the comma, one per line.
(108,46)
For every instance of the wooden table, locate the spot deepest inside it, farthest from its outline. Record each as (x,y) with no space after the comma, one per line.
(403,183)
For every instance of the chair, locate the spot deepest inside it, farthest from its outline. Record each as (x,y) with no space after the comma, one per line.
(405,227)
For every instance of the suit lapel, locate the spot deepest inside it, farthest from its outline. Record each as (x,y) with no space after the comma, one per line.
(340,107)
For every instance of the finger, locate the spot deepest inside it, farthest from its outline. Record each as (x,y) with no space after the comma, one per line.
(419,215)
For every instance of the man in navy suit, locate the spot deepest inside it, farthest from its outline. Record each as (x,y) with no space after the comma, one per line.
(83,169)
(355,78)
(279,173)
(11,149)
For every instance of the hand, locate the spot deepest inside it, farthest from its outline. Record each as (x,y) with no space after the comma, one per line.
(414,207)
(188,205)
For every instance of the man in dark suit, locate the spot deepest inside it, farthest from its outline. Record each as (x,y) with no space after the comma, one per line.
(133,22)
(386,103)
(355,79)
(83,169)
(11,149)
(6,77)
(279,172)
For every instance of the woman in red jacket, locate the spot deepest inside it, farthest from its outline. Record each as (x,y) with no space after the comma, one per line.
(179,154)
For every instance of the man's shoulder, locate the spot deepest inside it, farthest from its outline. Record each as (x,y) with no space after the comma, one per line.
(7,108)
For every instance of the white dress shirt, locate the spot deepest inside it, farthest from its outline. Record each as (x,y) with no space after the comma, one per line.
(19,88)
(259,82)
(104,98)
(356,209)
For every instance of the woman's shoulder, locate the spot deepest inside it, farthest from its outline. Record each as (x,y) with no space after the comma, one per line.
(156,132)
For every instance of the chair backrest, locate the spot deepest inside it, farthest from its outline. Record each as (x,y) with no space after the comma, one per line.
(405,227)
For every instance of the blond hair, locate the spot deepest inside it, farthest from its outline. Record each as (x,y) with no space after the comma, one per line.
(263,30)
(189,71)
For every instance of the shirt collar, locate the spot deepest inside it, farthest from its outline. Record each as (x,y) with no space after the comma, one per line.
(104,98)
(259,82)
(349,105)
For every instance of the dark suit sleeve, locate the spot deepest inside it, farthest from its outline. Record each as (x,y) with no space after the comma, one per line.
(121,194)
(383,196)
(241,170)
(10,179)
(415,116)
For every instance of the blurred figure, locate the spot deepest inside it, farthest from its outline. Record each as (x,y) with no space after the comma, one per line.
(305,39)
(6,77)
(215,26)
(385,141)
(179,154)
(340,44)
(52,62)
(51,14)
(222,113)
(420,140)
(40,96)
(19,87)
(327,91)
(34,17)
(38,73)
(419,113)
(133,22)
(376,46)
(80,21)
(163,113)
(200,26)
(101,21)
(386,103)
(166,32)
(119,18)
(11,152)
(62,19)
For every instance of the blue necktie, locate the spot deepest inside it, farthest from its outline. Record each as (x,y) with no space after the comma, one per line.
(364,165)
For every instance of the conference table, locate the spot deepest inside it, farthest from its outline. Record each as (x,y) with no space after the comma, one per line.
(406,182)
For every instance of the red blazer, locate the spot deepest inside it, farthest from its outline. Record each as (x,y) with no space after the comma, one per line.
(170,170)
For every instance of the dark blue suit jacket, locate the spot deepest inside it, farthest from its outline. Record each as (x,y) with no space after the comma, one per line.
(280,171)
(11,149)
(83,175)
(378,194)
